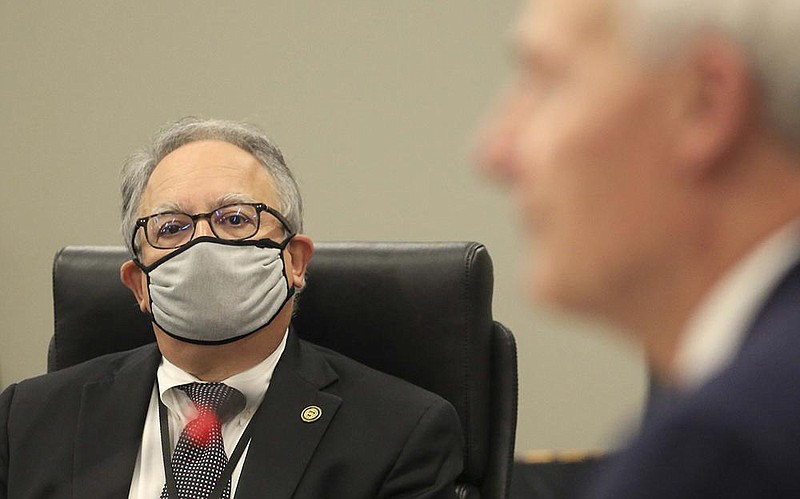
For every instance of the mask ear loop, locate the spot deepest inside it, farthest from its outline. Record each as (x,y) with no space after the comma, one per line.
(268,243)
(283,247)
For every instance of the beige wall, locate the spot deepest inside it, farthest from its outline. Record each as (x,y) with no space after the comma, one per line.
(374,105)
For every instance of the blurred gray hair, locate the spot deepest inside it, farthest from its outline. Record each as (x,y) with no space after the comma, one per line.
(766,31)
(137,168)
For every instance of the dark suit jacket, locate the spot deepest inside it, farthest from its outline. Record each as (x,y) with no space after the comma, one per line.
(738,436)
(76,432)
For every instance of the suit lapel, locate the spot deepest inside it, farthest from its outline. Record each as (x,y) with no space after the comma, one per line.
(110,427)
(780,312)
(282,441)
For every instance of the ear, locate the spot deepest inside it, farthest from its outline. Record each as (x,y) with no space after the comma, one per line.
(719,104)
(299,250)
(134,279)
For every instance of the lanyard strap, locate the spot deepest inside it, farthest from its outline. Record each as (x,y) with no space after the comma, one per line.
(227,473)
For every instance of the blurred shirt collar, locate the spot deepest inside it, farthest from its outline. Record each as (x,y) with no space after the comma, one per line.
(716,331)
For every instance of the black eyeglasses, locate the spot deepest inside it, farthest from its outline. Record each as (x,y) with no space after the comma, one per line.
(232,222)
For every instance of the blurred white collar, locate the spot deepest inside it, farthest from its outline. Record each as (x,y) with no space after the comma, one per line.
(717,329)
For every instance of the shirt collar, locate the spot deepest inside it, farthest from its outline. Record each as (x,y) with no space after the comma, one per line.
(252,383)
(715,332)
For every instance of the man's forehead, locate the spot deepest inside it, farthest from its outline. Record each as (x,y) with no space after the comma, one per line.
(202,176)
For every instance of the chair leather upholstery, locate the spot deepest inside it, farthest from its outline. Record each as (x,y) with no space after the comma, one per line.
(419,311)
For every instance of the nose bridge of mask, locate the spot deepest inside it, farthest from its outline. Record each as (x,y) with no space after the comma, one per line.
(216,292)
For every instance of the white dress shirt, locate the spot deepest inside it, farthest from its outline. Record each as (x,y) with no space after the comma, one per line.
(148,474)
(716,331)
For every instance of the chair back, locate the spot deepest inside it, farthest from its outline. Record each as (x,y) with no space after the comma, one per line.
(418,311)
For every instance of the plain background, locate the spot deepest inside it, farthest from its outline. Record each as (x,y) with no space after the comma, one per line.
(375,105)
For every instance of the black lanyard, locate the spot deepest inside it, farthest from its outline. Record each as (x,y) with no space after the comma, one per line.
(227,473)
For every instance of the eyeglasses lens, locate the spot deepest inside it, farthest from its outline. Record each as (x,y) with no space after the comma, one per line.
(233,222)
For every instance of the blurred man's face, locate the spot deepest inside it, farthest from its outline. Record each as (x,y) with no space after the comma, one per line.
(583,137)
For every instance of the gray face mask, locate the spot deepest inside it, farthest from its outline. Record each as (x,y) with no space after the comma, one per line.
(213,291)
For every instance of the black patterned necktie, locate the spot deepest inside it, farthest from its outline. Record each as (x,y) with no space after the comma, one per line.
(199,457)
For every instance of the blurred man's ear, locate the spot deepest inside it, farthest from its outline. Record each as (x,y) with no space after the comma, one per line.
(719,105)
(300,250)
(134,279)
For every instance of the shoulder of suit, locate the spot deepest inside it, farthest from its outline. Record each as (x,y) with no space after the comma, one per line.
(143,358)
(758,391)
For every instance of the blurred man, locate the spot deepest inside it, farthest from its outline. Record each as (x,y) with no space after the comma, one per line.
(653,150)
(229,402)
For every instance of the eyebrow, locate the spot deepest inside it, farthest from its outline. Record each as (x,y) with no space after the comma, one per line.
(234,197)
(167,208)
(230,198)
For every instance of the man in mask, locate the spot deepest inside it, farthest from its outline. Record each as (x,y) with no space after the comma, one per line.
(229,403)
(653,148)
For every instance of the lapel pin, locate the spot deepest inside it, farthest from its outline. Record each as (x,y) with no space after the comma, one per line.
(311,414)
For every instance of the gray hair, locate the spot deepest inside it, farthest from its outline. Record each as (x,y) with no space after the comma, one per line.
(137,168)
(766,31)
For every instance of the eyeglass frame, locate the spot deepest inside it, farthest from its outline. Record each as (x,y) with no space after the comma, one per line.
(141,223)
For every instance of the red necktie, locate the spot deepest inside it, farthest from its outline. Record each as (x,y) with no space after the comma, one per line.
(199,457)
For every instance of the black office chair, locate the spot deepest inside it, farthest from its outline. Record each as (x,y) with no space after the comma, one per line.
(419,311)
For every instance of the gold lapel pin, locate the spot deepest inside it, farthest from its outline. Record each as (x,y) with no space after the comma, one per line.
(311,414)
